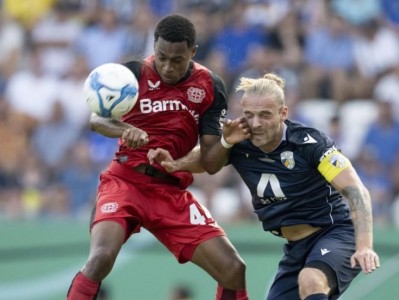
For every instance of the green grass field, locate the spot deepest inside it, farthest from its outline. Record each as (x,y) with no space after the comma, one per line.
(39,259)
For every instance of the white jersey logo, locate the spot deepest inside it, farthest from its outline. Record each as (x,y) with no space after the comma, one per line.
(324,251)
(309,140)
(153,86)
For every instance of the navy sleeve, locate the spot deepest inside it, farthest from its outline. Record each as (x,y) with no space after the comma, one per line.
(135,67)
(313,152)
(212,120)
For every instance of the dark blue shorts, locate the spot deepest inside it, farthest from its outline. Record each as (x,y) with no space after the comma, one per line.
(333,245)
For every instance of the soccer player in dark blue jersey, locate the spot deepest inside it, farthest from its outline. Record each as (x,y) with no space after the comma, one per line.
(298,180)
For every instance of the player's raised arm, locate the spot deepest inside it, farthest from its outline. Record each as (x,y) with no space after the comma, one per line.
(132,136)
(190,162)
(215,150)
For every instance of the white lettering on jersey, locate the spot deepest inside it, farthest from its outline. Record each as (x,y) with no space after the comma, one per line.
(274,184)
(147,106)
(328,152)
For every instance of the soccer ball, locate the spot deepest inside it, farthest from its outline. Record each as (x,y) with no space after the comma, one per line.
(111,90)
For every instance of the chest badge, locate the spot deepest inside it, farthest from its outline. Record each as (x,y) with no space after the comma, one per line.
(195,95)
(287,158)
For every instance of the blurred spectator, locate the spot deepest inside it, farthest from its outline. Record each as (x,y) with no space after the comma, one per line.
(266,14)
(11,46)
(55,202)
(124,9)
(376,51)
(206,27)
(102,149)
(387,88)
(163,7)
(287,38)
(390,13)
(53,138)
(357,12)
(379,183)
(237,39)
(34,179)
(219,63)
(105,41)
(15,139)
(31,91)
(141,33)
(57,49)
(80,176)
(382,136)
(27,12)
(70,94)
(328,56)
(335,131)
(310,13)
(10,203)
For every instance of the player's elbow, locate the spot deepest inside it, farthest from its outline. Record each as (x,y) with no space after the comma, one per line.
(212,167)
(211,171)
(93,124)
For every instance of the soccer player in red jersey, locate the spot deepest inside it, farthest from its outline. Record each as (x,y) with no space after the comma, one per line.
(179,101)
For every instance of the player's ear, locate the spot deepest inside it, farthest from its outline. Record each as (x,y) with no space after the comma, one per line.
(194,51)
(284,112)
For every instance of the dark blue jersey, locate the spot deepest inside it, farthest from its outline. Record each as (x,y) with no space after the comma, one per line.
(286,186)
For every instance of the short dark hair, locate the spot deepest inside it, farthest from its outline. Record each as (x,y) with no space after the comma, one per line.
(175,29)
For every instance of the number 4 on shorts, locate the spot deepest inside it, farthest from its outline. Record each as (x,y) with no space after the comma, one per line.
(196,217)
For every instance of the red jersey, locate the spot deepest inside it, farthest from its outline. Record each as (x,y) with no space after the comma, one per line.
(173,115)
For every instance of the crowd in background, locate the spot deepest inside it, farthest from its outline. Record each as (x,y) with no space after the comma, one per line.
(336,55)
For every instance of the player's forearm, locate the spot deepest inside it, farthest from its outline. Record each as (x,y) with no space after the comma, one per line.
(215,158)
(361,213)
(191,162)
(108,127)
(194,161)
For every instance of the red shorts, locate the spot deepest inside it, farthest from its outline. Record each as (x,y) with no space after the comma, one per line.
(171,214)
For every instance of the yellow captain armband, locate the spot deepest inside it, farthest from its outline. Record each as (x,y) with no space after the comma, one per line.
(332,163)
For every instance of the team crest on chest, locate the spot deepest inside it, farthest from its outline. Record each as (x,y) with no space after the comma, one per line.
(195,95)
(287,158)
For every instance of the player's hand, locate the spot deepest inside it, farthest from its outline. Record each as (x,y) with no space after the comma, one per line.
(235,131)
(366,258)
(162,157)
(134,137)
